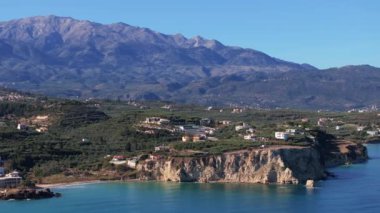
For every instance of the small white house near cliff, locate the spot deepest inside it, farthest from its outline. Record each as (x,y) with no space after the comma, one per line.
(118,160)
(132,163)
(281,135)
(373,133)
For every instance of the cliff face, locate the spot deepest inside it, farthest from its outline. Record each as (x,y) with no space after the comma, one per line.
(29,193)
(271,165)
(346,153)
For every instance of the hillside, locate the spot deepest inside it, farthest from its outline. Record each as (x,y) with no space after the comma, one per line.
(77,139)
(64,57)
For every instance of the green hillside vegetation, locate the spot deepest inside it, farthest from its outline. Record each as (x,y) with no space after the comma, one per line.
(82,133)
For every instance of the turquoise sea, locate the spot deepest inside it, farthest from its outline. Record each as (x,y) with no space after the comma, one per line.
(355,189)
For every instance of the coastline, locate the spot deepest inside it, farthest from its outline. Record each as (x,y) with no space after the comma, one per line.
(85,182)
(344,157)
(75,183)
(78,183)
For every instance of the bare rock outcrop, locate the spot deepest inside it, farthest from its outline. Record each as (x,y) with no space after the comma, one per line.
(27,193)
(346,153)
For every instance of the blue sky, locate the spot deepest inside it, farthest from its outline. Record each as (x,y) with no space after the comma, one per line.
(324,33)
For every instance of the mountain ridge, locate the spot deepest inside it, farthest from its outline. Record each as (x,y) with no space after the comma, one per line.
(62,56)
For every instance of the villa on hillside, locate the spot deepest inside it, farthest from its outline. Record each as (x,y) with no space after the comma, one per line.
(225,122)
(281,135)
(132,163)
(118,160)
(251,137)
(373,133)
(156,120)
(241,126)
(10,180)
(292,131)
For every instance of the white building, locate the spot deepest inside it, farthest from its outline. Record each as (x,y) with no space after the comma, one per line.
(360,128)
(226,122)
(118,160)
(22,127)
(237,110)
(281,135)
(10,180)
(241,127)
(251,137)
(291,131)
(207,130)
(156,120)
(373,133)
(161,148)
(132,163)
(250,130)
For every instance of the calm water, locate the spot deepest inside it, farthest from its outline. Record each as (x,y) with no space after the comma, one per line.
(356,189)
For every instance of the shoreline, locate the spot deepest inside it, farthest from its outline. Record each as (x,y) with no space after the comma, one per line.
(332,163)
(78,183)
(75,183)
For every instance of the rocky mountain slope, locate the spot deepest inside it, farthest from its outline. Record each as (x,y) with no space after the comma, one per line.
(65,57)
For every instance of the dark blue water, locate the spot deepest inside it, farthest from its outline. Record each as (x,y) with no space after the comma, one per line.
(356,189)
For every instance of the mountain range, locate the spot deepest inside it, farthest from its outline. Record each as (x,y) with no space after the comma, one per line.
(65,57)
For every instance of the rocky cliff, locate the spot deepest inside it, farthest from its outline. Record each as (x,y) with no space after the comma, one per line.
(271,165)
(27,193)
(346,153)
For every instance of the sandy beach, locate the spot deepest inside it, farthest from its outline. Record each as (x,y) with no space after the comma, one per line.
(75,183)
(57,185)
